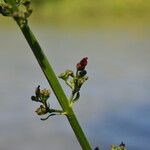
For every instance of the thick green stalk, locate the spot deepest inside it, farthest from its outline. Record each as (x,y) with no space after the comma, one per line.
(53,81)
(56,87)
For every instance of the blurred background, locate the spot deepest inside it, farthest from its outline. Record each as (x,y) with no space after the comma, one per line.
(115,101)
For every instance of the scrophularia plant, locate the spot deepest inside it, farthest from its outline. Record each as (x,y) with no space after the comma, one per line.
(73,80)
(20,10)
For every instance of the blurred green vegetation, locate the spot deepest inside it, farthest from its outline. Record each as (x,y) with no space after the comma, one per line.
(88,11)
(91,12)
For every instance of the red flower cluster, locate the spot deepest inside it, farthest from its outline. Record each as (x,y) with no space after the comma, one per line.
(82,64)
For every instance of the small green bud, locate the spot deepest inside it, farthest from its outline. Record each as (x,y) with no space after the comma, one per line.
(65,75)
(81,81)
(113,147)
(41,110)
(45,93)
(70,73)
(120,147)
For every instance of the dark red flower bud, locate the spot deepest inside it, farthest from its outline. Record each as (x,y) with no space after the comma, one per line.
(84,61)
(82,64)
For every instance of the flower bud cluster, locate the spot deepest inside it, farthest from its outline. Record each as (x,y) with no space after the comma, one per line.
(75,81)
(24,11)
(41,110)
(42,96)
(120,147)
(20,14)
(5,9)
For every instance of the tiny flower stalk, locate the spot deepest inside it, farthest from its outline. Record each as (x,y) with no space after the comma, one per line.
(20,10)
(42,96)
(75,81)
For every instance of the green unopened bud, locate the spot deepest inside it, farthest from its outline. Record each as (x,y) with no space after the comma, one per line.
(114,147)
(81,81)
(65,75)
(41,110)
(45,93)
(70,73)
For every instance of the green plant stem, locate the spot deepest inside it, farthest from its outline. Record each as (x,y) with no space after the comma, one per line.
(56,87)
(53,81)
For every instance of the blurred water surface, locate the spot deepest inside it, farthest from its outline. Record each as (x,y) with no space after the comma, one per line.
(114,104)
